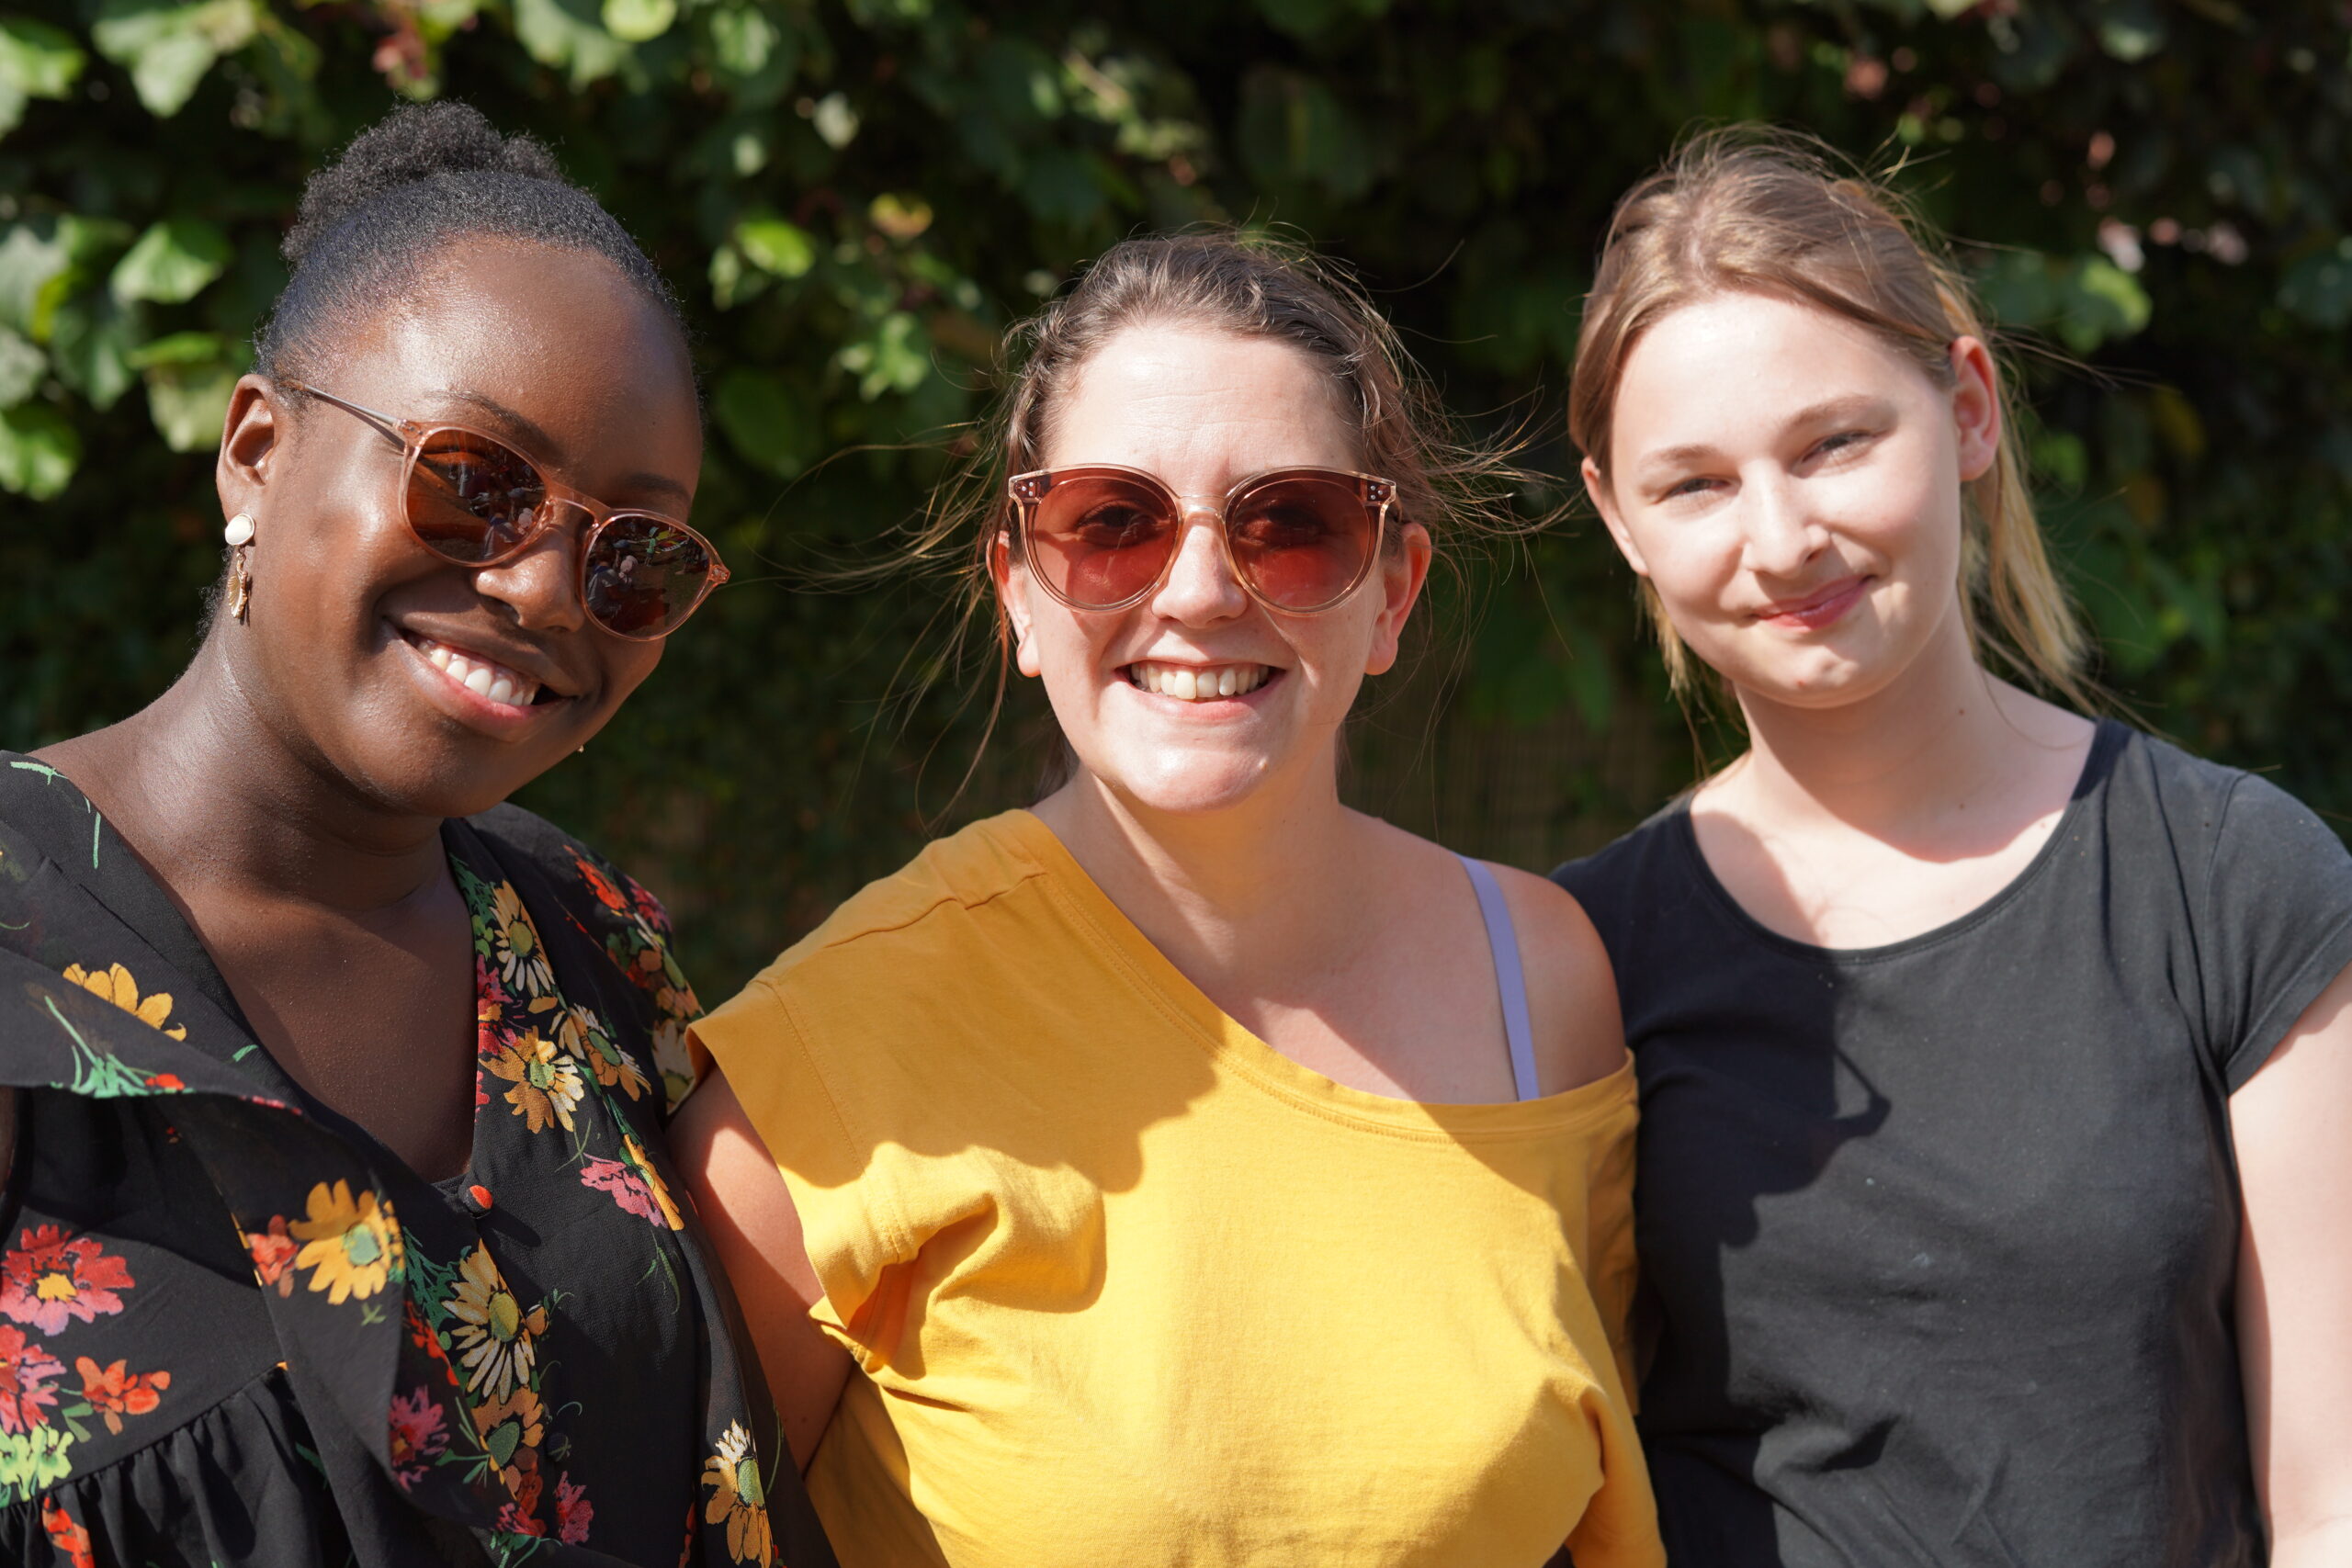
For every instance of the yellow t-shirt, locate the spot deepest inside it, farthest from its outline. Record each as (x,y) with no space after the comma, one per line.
(1130,1288)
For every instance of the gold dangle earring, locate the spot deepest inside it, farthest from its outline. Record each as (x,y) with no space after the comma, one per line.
(240,536)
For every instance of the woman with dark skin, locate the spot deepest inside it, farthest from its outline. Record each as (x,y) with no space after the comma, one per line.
(448,1173)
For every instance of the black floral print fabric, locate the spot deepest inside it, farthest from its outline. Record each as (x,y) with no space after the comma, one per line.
(234,1329)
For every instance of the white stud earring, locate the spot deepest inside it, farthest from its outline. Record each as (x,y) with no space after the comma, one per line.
(239,535)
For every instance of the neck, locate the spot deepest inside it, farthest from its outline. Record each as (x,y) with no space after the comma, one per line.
(212,795)
(1217,890)
(1899,763)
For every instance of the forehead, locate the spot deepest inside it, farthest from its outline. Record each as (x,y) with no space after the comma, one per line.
(560,337)
(1748,361)
(1203,409)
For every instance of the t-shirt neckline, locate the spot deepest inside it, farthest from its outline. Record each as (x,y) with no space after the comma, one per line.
(2107,740)
(1256,1061)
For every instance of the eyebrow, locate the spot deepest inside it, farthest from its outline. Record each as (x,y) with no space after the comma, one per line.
(1830,410)
(531,432)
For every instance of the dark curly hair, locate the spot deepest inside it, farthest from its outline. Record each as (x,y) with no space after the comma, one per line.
(423,175)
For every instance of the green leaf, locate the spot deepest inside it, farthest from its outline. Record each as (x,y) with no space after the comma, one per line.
(2130,30)
(836,122)
(173,261)
(765,421)
(1295,130)
(2318,289)
(168,45)
(1059,186)
(776,247)
(181,350)
(2108,303)
(640,21)
(570,36)
(742,39)
(22,369)
(189,401)
(894,357)
(91,344)
(32,257)
(38,61)
(39,451)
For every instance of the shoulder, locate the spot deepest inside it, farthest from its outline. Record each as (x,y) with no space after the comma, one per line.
(2222,819)
(1571,988)
(583,879)
(1607,882)
(943,896)
(909,949)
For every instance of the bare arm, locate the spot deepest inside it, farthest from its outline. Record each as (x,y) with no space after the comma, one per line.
(2292,1124)
(756,1233)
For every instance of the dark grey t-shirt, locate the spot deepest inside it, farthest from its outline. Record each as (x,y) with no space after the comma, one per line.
(1938,1238)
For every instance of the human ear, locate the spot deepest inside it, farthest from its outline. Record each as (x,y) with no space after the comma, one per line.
(1013,598)
(1403,572)
(1975,407)
(250,434)
(1596,487)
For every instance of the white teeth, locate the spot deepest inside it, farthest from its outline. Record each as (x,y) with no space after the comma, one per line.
(481,676)
(1193,684)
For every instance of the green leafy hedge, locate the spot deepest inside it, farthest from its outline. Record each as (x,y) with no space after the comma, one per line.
(856,197)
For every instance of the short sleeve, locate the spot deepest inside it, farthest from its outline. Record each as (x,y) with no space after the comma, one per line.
(854,1239)
(2276,922)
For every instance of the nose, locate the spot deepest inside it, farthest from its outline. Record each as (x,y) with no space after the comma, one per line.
(1781,535)
(1199,589)
(541,586)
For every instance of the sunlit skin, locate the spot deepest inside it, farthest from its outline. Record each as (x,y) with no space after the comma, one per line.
(1202,412)
(288,790)
(1791,487)
(1348,945)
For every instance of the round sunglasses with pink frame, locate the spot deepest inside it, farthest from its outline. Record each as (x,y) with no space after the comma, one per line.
(1101,537)
(473,500)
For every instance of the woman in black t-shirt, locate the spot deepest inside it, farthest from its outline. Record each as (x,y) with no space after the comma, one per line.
(1994,1179)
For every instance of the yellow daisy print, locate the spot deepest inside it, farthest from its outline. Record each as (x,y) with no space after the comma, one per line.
(547,1086)
(509,1426)
(495,1338)
(514,949)
(351,1245)
(114,985)
(738,1496)
(583,1036)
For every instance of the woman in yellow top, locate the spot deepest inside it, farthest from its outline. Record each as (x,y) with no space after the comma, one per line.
(1180,1172)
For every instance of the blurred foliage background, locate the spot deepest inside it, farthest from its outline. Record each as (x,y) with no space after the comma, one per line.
(855,197)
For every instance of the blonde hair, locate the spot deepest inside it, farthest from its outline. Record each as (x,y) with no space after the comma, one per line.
(1744,211)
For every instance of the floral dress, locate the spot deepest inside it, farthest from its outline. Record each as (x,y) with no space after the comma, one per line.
(236,1329)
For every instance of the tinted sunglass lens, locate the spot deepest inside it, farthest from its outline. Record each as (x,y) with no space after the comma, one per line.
(1099,540)
(471,500)
(645,575)
(1303,541)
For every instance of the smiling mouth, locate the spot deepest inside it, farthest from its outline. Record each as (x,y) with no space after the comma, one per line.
(1821,608)
(1199,683)
(485,678)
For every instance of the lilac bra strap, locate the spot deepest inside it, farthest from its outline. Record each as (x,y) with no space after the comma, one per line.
(1502,941)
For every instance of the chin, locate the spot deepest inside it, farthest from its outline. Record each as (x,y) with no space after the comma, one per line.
(439,781)
(1190,785)
(1821,680)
